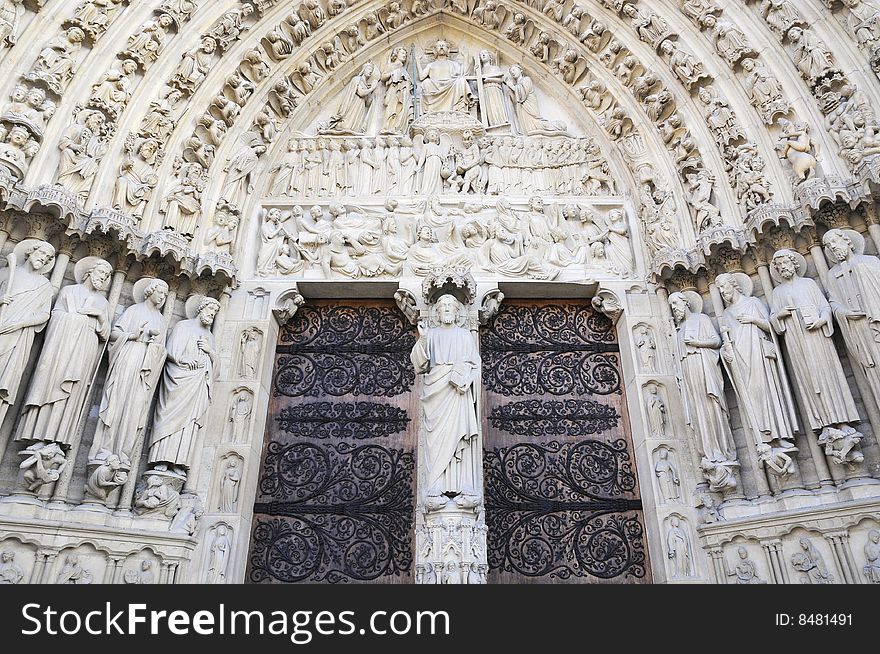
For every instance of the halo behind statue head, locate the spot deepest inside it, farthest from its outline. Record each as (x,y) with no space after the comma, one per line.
(139,292)
(799,262)
(23,248)
(695,302)
(85,265)
(857,240)
(194,304)
(744,282)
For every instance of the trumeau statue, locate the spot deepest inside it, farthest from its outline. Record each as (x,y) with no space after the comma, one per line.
(697,347)
(137,352)
(191,369)
(25,305)
(854,293)
(754,363)
(78,328)
(447,357)
(802,315)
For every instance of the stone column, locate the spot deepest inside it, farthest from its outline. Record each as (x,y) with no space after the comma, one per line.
(163,572)
(45,574)
(839,543)
(114,570)
(62,259)
(716,556)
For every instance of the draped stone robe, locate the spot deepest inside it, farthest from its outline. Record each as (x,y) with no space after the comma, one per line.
(132,376)
(447,357)
(854,285)
(185,395)
(757,373)
(68,361)
(20,320)
(815,364)
(704,388)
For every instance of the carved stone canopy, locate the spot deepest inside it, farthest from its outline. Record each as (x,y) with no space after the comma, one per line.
(456,281)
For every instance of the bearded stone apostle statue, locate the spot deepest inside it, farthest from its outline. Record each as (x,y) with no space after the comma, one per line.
(137,351)
(25,303)
(447,358)
(754,363)
(185,395)
(697,348)
(79,326)
(800,312)
(854,294)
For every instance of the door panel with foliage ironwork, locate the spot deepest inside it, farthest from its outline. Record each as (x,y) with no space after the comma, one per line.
(562,496)
(336,494)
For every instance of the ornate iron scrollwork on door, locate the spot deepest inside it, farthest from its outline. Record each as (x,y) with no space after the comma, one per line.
(562,498)
(343,350)
(347,513)
(556,349)
(336,494)
(553,511)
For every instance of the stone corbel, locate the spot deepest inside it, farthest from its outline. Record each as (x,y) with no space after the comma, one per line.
(608,303)
(408,305)
(490,305)
(287,305)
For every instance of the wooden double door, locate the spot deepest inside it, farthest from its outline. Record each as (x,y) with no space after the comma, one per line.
(336,496)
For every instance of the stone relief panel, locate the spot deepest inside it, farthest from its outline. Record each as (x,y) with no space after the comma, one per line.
(17,561)
(250,352)
(494,238)
(679,544)
(667,475)
(230,470)
(241,410)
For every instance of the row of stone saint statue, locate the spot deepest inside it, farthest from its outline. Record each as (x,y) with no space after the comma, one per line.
(392,165)
(80,329)
(803,319)
(410,241)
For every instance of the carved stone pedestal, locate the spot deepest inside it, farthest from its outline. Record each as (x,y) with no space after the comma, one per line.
(451,547)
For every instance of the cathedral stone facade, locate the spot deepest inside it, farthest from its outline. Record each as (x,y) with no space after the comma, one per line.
(439,291)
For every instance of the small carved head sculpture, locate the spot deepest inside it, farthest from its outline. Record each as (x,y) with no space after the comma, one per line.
(679,305)
(40,255)
(838,244)
(486,57)
(208,309)
(448,309)
(441,49)
(399,55)
(786,264)
(99,274)
(156,292)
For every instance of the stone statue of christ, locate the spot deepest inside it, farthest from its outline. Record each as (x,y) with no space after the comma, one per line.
(447,358)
